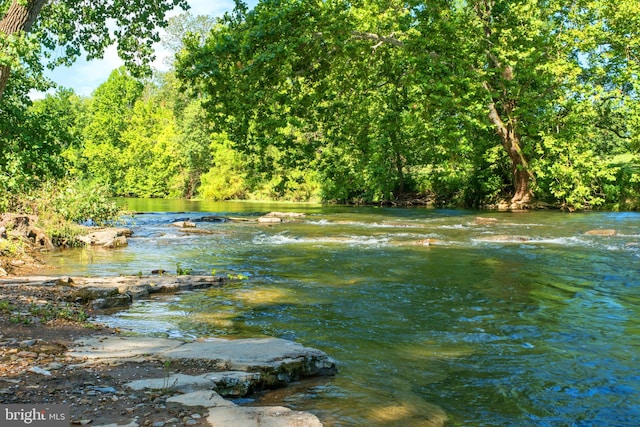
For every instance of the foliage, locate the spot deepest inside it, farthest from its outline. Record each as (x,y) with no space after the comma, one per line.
(183,271)
(59,32)
(495,106)
(463,103)
(32,137)
(75,201)
(49,312)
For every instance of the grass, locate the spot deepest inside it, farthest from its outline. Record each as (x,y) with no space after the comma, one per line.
(44,313)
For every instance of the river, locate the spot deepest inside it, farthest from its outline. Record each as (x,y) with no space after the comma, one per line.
(514,319)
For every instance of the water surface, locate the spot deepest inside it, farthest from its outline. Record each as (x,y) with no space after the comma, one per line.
(430,314)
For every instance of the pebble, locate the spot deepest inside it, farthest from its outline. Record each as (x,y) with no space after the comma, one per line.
(27,343)
(38,370)
(105,389)
(196,416)
(158,424)
(54,366)
(173,421)
(191,422)
(28,354)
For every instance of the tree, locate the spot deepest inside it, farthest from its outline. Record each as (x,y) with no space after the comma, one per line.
(77,26)
(485,99)
(150,155)
(281,81)
(109,115)
(33,139)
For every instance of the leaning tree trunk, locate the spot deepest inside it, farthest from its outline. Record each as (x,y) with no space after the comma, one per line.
(499,93)
(17,18)
(523,195)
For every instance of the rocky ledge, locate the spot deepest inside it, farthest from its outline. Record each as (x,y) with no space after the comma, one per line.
(237,368)
(114,292)
(112,380)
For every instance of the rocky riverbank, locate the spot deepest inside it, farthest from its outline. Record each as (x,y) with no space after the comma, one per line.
(49,353)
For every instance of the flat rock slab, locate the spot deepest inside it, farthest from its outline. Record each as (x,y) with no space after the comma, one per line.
(117,291)
(225,413)
(203,398)
(176,382)
(229,383)
(278,361)
(109,348)
(243,353)
(258,363)
(267,416)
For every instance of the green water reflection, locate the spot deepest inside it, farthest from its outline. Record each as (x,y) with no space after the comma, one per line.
(523,321)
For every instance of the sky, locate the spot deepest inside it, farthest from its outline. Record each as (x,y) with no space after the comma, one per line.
(84,77)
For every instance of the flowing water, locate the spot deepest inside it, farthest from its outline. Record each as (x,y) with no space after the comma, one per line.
(525,321)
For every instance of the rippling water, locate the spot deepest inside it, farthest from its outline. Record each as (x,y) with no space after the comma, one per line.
(430,314)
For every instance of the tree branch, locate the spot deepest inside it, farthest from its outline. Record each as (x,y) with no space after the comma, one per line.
(378,38)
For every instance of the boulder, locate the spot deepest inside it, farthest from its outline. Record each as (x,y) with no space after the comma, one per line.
(107,237)
(117,242)
(22,226)
(116,301)
(91,293)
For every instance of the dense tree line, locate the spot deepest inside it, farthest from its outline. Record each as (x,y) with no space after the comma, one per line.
(464,103)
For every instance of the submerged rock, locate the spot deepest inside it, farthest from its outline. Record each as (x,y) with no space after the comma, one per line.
(505,239)
(269,220)
(605,233)
(285,214)
(480,220)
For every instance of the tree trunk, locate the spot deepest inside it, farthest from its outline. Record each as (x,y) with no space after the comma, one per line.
(523,195)
(18,18)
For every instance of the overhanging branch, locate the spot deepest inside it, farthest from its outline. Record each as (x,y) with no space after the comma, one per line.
(378,38)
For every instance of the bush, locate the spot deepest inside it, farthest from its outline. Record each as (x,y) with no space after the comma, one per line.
(76,201)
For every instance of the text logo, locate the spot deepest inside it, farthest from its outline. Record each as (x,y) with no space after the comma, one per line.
(27,414)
